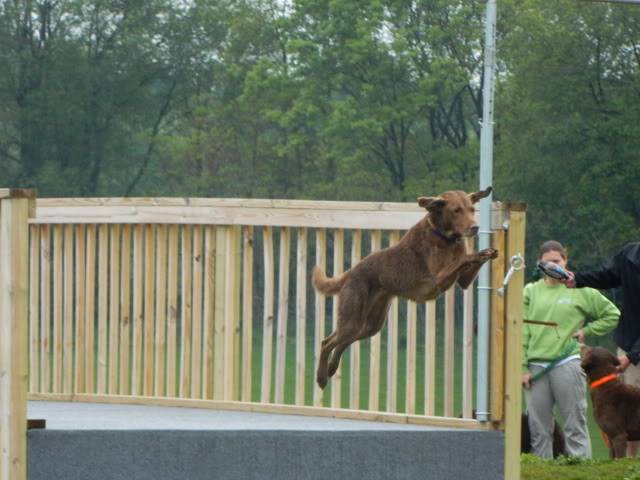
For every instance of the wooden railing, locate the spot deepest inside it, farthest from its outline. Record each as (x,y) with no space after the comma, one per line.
(208,298)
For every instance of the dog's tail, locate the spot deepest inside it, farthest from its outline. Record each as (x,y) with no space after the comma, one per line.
(325,285)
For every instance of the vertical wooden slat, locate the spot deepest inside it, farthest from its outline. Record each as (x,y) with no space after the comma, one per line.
(103,305)
(392,344)
(374,360)
(209,309)
(301,314)
(90,313)
(196,352)
(267,340)
(14,339)
(57,308)
(161,311)
(230,312)
(338,268)
(467,345)
(237,289)
(513,347)
(125,313)
(34,297)
(354,389)
(149,307)
(45,308)
(247,311)
(283,311)
(185,317)
(172,310)
(321,261)
(81,323)
(67,352)
(449,350)
(138,311)
(496,388)
(114,308)
(221,285)
(412,341)
(430,353)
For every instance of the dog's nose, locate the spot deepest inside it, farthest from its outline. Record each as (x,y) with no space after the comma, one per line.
(474,230)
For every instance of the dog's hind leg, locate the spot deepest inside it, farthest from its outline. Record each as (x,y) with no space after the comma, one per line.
(328,344)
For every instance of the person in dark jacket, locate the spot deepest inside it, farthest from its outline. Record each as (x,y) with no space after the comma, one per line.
(621,271)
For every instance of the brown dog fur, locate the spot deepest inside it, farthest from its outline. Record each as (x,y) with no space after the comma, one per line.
(616,406)
(429,259)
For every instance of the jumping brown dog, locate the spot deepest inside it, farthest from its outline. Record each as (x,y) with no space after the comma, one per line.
(616,406)
(429,259)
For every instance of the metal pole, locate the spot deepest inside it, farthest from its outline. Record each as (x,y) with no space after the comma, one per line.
(486,179)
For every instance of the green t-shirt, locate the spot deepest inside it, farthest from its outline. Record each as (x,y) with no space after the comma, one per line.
(570,308)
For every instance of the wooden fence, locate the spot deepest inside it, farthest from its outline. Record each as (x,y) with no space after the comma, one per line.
(171,301)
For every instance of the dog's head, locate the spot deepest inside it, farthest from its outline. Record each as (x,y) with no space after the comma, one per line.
(453,212)
(598,362)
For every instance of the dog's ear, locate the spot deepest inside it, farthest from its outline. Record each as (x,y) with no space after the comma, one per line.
(475,197)
(432,204)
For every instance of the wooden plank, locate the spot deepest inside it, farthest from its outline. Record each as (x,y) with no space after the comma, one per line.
(229,377)
(80,307)
(114,307)
(301,315)
(283,313)
(237,288)
(172,310)
(320,310)
(34,297)
(161,312)
(185,317)
(513,348)
(496,389)
(412,343)
(209,309)
(247,311)
(430,354)
(103,306)
(67,352)
(196,352)
(58,307)
(149,308)
(338,268)
(124,387)
(90,314)
(354,374)
(45,308)
(374,360)
(220,289)
(267,329)
(467,345)
(392,344)
(138,309)
(449,350)
(14,339)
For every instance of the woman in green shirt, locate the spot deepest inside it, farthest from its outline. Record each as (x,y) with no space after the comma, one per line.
(564,385)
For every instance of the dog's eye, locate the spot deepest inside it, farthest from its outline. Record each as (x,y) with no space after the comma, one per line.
(458,210)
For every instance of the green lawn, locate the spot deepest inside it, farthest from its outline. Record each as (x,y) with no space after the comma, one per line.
(534,468)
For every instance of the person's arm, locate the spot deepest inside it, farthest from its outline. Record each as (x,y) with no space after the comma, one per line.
(604,313)
(606,277)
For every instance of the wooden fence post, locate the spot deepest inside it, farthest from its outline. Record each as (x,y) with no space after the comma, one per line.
(16,206)
(513,344)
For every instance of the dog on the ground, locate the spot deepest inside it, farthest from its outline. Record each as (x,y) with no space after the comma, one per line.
(559,443)
(616,406)
(429,259)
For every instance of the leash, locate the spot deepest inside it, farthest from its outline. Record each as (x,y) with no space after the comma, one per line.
(566,353)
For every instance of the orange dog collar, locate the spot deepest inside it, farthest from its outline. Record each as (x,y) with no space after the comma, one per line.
(603,380)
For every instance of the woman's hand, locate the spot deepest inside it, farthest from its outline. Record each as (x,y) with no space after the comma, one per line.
(526,381)
(579,335)
(624,363)
(571,281)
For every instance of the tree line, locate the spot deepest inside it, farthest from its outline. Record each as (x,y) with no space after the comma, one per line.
(375,100)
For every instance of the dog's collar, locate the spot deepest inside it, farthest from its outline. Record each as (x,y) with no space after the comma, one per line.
(441,234)
(603,380)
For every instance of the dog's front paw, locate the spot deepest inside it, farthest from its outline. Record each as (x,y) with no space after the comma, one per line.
(488,254)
